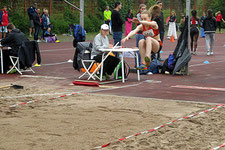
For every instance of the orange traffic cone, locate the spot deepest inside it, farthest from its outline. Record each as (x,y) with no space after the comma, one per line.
(172,39)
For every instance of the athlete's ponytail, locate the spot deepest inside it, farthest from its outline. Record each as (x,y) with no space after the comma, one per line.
(154,12)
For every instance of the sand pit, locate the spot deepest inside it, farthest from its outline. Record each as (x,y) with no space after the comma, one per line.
(84,121)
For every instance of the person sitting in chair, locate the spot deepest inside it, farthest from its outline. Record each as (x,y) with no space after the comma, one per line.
(101,41)
(14,40)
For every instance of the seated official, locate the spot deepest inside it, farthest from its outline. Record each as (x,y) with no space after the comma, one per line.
(13,39)
(101,41)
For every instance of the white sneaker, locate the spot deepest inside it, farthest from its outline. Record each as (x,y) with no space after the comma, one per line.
(208,53)
(38,41)
(149,73)
(211,53)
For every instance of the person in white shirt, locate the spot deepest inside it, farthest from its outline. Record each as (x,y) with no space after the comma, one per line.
(101,41)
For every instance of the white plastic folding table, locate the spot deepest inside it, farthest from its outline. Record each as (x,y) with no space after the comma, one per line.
(121,51)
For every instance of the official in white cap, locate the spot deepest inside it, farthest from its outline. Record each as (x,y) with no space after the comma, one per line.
(101,41)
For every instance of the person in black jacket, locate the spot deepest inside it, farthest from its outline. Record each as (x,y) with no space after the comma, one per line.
(13,39)
(37,24)
(117,23)
(160,21)
(30,12)
(209,25)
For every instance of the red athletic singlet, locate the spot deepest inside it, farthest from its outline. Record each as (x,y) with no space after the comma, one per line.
(150,32)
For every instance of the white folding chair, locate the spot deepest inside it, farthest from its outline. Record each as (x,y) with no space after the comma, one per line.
(27,49)
(16,65)
(88,67)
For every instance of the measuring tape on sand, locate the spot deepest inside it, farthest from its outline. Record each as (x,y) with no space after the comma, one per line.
(216,148)
(171,122)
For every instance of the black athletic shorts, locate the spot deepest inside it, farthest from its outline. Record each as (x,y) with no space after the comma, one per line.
(194,31)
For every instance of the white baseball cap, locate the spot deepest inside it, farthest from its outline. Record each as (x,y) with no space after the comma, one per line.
(104,27)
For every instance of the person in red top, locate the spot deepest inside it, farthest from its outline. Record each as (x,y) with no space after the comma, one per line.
(218,20)
(194,31)
(4,21)
(150,29)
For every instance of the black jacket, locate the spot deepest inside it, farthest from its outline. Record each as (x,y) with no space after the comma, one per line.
(27,53)
(14,40)
(160,22)
(117,21)
(209,25)
(36,19)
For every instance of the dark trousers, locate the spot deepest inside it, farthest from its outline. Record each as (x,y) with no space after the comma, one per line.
(161,38)
(6,60)
(36,33)
(109,64)
(219,25)
(117,37)
(43,33)
(107,22)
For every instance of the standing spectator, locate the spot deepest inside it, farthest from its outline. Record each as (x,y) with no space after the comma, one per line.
(117,23)
(4,21)
(172,26)
(46,23)
(209,25)
(128,23)
(107,15)
(37,24)
(194,31)
(182,21)
(139,35)
(30,12)
(160,21)
(202,33)
(42,27)
(218,19)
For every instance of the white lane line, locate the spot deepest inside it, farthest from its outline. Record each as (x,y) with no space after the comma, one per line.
(59,63)
(199,88)
(194,65)
(52,50)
